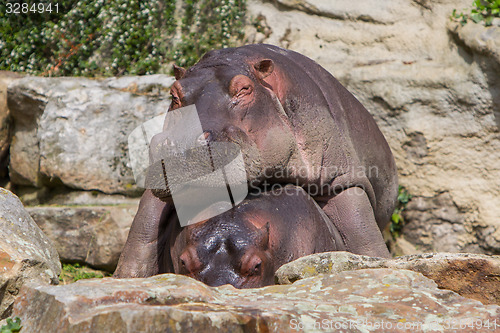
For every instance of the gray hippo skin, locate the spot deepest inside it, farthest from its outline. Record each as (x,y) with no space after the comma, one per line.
(246,245)
(295,123)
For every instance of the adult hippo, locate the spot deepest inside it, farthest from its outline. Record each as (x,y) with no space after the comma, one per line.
(295,123)
(246,245)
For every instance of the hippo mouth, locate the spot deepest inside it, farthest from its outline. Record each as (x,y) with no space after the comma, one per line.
(194,167)
(197,177)
(175,170)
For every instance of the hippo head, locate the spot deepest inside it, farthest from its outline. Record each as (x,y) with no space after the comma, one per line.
(220,251)
(236,98)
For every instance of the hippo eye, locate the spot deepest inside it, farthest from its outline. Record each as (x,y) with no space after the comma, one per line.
(256,269)
(241,88)
(244,91)
(176,102)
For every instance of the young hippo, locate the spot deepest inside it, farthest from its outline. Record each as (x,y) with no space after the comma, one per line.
(246,245)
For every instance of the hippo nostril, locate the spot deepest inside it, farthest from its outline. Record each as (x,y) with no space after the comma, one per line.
(204,138)
(207,135)
(168,143)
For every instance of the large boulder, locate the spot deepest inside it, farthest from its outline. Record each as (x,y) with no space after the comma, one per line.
(5,123)
(433,88)
(471,275)
(74,131)
(92,235)
(356,301)
(87,227)
(26,254)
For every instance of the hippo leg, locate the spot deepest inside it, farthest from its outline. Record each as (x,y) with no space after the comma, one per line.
(140,256)
(352,214)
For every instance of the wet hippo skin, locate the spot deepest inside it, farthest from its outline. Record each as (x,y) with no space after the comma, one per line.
(246,245)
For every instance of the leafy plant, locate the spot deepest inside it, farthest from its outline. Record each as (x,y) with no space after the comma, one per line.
(397,220)
(106,38)
(74,272)
(13,326)
(206,25)
(482,11)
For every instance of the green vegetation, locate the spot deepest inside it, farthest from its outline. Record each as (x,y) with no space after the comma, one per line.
(397,221)
(482,11)
(74,272)
(207,25)
(106,38)
(12,326)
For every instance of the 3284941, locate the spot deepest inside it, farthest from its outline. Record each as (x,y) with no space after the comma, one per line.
(27,8)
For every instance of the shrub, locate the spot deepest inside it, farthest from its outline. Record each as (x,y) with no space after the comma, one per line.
(482,11)
(106,38)
(13,326)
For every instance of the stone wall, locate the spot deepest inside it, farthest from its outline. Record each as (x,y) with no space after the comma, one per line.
(69,158)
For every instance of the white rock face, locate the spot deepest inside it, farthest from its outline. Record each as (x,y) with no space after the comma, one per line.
(74,131)
(433,89)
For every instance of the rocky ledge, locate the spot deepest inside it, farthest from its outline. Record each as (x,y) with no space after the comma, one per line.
(367,300)
(473,276)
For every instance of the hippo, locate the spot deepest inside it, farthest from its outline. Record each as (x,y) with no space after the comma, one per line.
(247,244)
(295,124)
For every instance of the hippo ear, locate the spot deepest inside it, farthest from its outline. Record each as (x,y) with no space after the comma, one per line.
(179,72)
(264,68)
(263,236)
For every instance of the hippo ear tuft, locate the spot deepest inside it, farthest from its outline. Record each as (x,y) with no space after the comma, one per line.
(264,68)
(179,72)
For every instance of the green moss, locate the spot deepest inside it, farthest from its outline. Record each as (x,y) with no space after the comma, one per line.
(397,220)
(109,38)
(12,326)
(482,11)
(74,272)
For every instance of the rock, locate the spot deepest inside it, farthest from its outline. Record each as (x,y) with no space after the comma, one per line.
(433,88)
(436,224)
(399,246)
(93,235)
(473,276)
(5,78)
(481,39)
(87,227)
(62,196)
(387,12)
(352,301)
(402,247)
(483,45)
(74,131)
(26,254)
